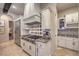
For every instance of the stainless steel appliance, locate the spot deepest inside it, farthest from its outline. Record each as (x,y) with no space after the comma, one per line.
(17,32)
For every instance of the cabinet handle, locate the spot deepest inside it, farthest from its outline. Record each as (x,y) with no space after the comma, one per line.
(37,51)
(73,43)
(23,44)
(30,47)
(72,20)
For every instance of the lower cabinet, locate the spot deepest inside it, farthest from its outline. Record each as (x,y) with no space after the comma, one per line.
(43,49)
(31,48)
(23,44)
(76,44)
(38,49)
(61,41)
(28,47)
(67,42)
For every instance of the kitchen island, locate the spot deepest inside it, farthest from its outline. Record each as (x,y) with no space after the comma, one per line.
(36,45)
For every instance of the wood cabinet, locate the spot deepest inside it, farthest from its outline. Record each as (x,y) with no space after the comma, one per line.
(68,42)
(61,22)
(61,41)
(23,44)
(45,19)
(43,49)
(76,44)
(72,18)
(38,49)
(28,47)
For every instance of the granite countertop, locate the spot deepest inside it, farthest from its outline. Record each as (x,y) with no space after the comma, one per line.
(42,40)
(72,36)
(35,39)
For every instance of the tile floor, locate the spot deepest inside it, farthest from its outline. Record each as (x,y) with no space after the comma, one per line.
(65,52)
(9,48)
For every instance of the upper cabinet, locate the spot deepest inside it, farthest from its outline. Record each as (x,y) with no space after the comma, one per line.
(71,20)
(61,23)
(45,19)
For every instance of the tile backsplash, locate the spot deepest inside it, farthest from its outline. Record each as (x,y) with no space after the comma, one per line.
(68,32)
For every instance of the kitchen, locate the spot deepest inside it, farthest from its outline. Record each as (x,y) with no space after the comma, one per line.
(41,29)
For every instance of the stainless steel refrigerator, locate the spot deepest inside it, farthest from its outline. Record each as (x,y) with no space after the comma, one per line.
(17,32)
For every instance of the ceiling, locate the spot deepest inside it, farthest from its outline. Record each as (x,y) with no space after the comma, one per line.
(16,8)
(1,7)
(63,6)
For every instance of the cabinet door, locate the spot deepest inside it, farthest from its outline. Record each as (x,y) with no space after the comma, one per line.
(42,50)
(68,19)
(23,44)
(31,48)
(72,18)
(76,44)
(62,41)
(26,46)
(75,17)
(45,18)
(69,43)
(58,40)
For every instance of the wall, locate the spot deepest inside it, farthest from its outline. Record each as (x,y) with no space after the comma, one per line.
(53,25)
(5,35)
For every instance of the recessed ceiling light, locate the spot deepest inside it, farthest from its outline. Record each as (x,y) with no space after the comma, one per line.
(14,7)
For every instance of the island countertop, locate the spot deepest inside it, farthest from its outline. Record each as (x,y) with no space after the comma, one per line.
(34,39)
